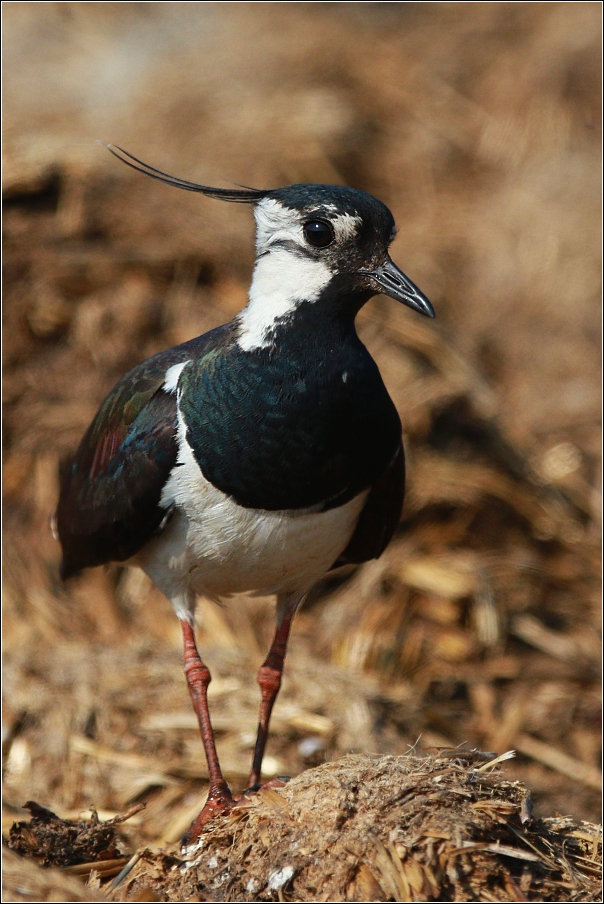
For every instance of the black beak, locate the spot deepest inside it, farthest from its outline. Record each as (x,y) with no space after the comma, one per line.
(393,282)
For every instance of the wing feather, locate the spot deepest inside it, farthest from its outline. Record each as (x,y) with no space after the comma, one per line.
(379,517)
(110,498)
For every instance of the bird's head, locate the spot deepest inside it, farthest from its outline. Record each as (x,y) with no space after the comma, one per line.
(313,242)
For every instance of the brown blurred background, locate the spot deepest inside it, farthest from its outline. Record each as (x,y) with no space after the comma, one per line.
(478,124)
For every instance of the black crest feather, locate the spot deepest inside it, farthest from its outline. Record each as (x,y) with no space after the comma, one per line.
(238,195)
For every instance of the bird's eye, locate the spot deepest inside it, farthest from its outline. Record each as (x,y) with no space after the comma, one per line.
(318,234)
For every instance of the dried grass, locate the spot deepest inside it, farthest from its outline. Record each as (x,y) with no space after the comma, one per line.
(446,827)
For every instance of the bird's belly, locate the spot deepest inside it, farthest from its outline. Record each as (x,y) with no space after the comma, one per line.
(216,547)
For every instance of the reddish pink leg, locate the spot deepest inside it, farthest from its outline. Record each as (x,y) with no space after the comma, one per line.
(269,679)
(198,678)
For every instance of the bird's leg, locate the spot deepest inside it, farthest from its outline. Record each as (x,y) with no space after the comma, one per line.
(269,679)
(198,678)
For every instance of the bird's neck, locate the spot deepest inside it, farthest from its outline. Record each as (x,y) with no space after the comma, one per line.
(293,293)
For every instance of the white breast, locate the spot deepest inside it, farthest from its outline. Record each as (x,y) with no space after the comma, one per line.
(215,547)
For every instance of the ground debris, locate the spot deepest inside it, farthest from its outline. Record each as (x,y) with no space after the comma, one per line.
(384,828)
(78,846)
(25,880)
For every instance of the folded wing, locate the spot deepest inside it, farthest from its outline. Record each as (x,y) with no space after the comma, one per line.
(110,499)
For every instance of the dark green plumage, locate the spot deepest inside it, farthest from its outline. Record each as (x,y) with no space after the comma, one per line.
(311,425)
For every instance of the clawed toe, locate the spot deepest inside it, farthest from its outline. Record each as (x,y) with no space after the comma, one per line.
(277,782)
(214,806)
(222,803)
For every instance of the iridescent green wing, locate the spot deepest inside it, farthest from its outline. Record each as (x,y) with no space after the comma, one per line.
(110,500)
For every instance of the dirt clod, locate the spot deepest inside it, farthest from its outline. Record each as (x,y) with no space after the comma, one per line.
(393,828)
(52,841)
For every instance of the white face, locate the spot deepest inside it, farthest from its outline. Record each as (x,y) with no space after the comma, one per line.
(288,269)
(276,223)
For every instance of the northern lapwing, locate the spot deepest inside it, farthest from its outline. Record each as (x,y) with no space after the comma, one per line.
(258,456)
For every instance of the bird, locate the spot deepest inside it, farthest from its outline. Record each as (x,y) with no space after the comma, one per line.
(261,455)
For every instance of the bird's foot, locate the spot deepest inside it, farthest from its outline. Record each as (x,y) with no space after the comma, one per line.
(221,802)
